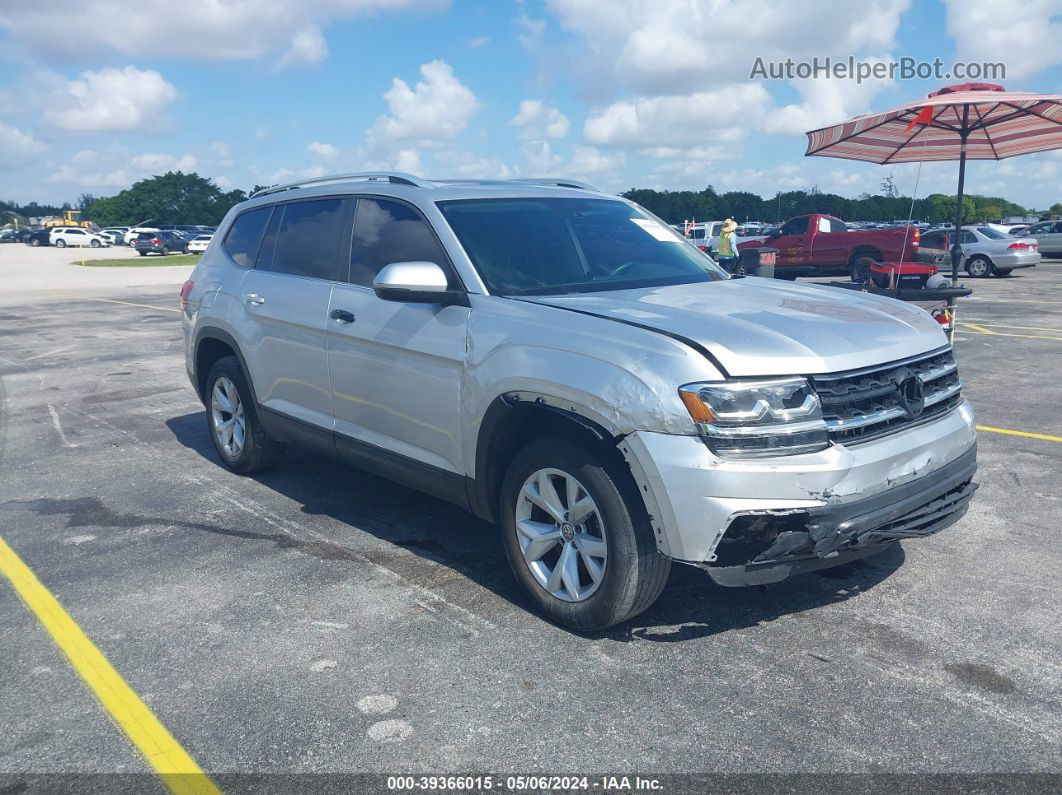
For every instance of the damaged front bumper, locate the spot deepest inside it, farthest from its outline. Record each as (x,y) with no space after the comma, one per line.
(760,520)
(834,534)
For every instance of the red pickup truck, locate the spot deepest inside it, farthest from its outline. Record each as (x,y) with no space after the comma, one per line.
(817,244)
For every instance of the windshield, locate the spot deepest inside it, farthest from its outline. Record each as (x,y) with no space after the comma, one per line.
(551,246)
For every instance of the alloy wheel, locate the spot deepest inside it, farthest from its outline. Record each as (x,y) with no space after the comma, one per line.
(226,412)
(561,535)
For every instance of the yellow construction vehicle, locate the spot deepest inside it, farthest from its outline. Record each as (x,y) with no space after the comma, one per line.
(70,218)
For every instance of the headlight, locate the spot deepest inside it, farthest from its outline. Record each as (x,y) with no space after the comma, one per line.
(780,416)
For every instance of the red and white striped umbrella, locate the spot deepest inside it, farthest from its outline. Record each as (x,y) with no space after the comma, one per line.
(982,121)
(997,124)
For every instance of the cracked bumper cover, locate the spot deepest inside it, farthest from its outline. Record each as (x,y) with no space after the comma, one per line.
(847,501)
(837,534)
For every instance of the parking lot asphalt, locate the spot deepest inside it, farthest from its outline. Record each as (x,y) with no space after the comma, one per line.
(315,618)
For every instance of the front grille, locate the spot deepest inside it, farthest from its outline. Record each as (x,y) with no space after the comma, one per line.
(860,405)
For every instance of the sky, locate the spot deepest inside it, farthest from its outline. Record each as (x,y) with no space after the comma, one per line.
(96,94)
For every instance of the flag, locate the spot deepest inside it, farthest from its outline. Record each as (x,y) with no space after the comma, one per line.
(925,116)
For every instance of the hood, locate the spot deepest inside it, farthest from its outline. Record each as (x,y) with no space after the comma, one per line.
(756,326)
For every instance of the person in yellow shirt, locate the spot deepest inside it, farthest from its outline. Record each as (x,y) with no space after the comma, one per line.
(728,250)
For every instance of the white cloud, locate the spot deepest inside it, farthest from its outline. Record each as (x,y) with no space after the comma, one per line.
(221,154)
(291,175)
(478,41)
(110,99)
(321,150)
(1022,34)
(472,166)
(678,120)
(529,30)
(159,163)
(539,120)
(16,146)
(664,48)
(198,29)
(437,108)
(308,46)
(540,158)
(823,102)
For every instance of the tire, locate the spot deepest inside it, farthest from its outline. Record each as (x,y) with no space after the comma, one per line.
(228,396)
(859,267)
(95,244)
(631,571)
(165,251)
(979,267)
(1004,272)
(60,243)
(142,253)
(34,242)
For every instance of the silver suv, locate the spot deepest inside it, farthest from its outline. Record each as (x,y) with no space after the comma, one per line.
(562,363)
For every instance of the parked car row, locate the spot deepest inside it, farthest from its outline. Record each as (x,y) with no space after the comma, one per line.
(163,240)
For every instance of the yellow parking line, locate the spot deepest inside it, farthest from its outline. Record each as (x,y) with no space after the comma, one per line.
(123,303)
(1046,437)
(991,325)
(987,331)
(178,771)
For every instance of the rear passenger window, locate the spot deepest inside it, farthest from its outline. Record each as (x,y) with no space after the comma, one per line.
(389,231)
(311,238)
(241,242)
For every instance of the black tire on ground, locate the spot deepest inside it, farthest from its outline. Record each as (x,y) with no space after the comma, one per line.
(979,266)
(635,571)
(34,242)
(60,243)
(260,450)
(142,253)
(95,244)
(165,250)
(859,267)
(1004,271)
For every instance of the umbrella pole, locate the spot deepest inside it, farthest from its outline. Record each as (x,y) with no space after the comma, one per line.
(956,249)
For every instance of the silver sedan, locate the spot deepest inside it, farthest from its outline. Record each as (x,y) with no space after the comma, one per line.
(986,250)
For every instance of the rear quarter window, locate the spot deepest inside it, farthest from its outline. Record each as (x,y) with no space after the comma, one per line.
(245,235)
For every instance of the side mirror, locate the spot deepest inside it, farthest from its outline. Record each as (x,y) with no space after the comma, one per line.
(416,283)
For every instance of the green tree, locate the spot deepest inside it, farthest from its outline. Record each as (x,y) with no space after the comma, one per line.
(1055,209)
(172,198)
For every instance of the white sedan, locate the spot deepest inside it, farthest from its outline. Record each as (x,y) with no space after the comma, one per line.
(199,243)
(69,236)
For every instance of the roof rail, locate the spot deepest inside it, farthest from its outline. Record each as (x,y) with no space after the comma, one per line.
(394,177)
(559,182)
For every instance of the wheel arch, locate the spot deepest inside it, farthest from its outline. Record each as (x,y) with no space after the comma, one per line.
(212,344)
(516,418)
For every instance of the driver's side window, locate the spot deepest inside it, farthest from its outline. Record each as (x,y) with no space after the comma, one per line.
(797,226)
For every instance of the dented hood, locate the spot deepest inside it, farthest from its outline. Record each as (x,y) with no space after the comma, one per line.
(758,326)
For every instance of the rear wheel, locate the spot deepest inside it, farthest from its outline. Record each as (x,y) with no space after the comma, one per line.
(238,436)
(577,536)
(60,243)
(859,267)
(95,244)
(165,250)
(979,266)
(142,253)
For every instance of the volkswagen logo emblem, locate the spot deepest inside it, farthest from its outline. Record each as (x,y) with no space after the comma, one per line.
(913,396)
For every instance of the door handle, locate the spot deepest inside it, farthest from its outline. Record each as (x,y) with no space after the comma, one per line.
(342,315)
(255,298)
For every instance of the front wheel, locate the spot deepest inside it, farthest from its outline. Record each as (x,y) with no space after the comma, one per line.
(577,536)
(95,244)
(1004,271)
(165,251)
(34,242)
(979,267)
(240,439)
